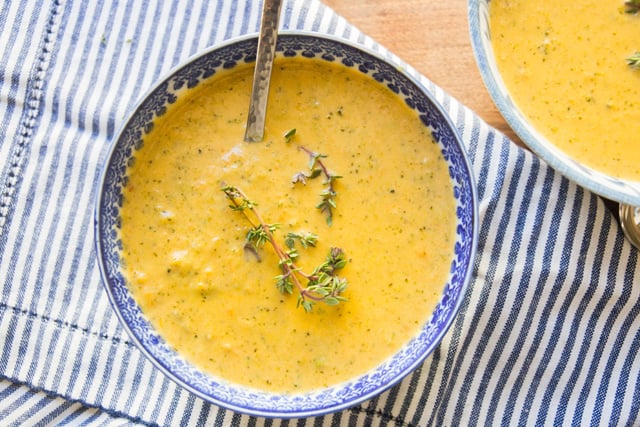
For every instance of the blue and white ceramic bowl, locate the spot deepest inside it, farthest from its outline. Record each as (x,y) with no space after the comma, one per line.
(216,390)
(619,190)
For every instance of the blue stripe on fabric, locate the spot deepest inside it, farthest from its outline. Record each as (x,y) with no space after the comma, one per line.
(544,319)
(352,421)
(144,81)
(18,152)
(471,145)
(482,178)
(346,33)
(625,373)
(368,408)
(120,379)
(565,264)
(512,319)
(244,28)
(130,45)
(391,396)
(173,405)
(69,293)
(578,315)
(31,300)
(70,417)
(499,303)
(58,211)
(593,320)
(333,23)
(455,334)
(87,383)
(80,120)
(315,25)
(201,14)
(450,370)
(150,388)
(178,55)
(67,60)
(34,400)
(41,284)
(11,172)
(620,391)
(40,406)
(538,293)
(10,30)
(621,333)
(335,419)
(285,15)
(103,384)
(232,17)
(412,390)
(634,413)
(91,417)
(136,382)
(5,392)
(188,409)
(112,341)
(236,418)
(252,422)
(217,16)
(164,385)
(17,403)
(205,411)
(423,395)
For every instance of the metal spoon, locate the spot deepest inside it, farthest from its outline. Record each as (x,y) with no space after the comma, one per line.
(630,221)
(262,73)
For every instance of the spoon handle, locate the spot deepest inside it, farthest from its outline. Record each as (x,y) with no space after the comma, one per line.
(262,74)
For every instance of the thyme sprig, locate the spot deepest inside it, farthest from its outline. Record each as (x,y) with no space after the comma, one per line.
(321,285)
(632,6)
(634,60)
(317,168)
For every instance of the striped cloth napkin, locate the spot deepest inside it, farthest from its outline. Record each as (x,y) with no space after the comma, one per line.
(549,332)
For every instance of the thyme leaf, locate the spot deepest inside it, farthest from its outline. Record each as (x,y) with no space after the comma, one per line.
(634,60)
(317,168)
(632,6)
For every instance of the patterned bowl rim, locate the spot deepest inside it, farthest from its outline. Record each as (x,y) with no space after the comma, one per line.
(334,398)
(619,190)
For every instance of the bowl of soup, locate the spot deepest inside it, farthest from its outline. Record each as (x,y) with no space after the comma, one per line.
(302,274)
(564,78)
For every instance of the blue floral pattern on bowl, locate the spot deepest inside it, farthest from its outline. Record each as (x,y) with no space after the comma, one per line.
(240,398)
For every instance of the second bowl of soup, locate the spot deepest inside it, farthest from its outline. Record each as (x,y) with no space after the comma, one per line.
(563,76)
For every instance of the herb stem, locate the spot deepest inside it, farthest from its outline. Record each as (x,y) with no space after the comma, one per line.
(328,195)
(322,285)
(236,193)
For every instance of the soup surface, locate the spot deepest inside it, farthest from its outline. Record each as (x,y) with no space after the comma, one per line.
(565,65)
(216,302)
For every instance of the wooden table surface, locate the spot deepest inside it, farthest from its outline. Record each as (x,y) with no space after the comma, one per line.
(433,37)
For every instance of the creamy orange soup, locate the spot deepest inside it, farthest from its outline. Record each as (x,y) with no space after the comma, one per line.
(565,65)
(217,303)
